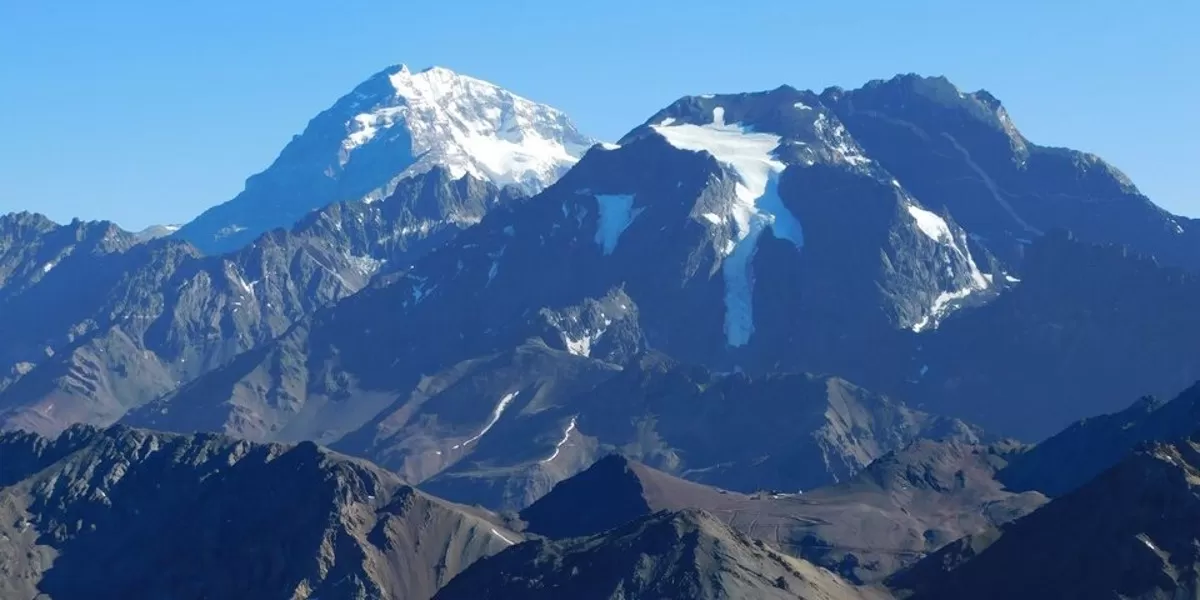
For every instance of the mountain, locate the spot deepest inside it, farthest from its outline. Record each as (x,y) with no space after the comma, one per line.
(96,323)
(904,505)
(1129,533)
(663,208)
(395,125)
(501,429)
(744,232)
(50,277)
(962,153)
(687,554)
(137,514)
(1087,328)
(1087,448)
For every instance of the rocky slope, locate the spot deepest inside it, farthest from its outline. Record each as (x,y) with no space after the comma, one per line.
(1086,329)
(687,554)
(902,507)
(1129,533)
(135,321)
(134,513)
(962,153)
(76,264)
(1087,448)
(503,428)
(395,125)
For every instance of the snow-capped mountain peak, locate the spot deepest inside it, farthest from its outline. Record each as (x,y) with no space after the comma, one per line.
(397,124)
(470,126)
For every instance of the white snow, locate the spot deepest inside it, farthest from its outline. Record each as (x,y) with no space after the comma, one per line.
(937,229)
(229,230)
(236,275)
(1011,279)
(566,436)
(365,265)
(496,412)
(468,126)
(940,304)
(838,140)
(756,206)
(802,106)
(501,536)
(931,224)
(48,266)
(583,345)
(712,218)
(616,213)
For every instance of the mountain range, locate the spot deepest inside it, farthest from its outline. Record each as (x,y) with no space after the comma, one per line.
(792,344)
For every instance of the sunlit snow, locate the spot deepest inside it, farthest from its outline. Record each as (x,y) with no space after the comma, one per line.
(757,206)
(496,412)
(936,229)
(566,436)
(501,536)
(471,127)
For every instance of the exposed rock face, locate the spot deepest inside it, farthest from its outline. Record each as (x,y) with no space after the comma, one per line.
(1129,533)
(1086,329)
(902,507)
(130,322)
(1087,448)
(688,554)
(960,152)
(143,514)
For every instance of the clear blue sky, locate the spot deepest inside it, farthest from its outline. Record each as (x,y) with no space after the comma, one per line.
(148,111)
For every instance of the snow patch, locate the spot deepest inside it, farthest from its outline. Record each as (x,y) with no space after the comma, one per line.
(48,266)
(838,140)
(931,224)
(616,214)
(496,412)
(756,206)
(365,265)
(566,436)
(937,229)
(501,536)
(939,308)
(236,275)
(583,345)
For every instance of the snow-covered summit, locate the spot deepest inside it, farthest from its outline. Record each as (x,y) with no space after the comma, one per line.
(397,124)
(779,159)
(468,125)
